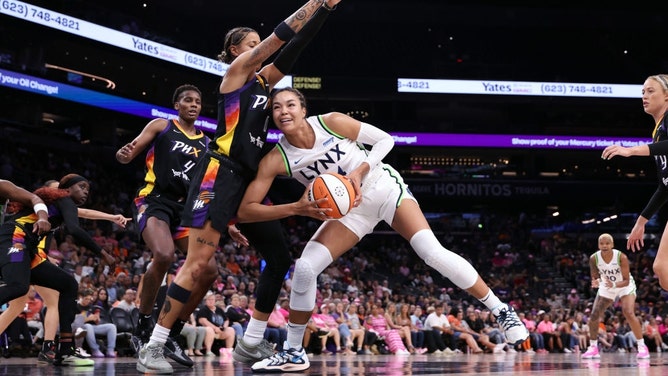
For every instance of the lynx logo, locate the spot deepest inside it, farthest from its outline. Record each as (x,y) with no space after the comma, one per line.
(257,141)
(259,102)
(332,157)
(203,199)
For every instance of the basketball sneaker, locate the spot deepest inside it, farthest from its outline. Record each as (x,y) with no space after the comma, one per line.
(290,360)
(151,359)
(48,353)
(69,358)
(514,328)
(174,351)
(142,332)
(643,352)
(592,353)
(248,354)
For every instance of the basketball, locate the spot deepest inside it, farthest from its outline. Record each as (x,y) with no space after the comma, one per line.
(338,191)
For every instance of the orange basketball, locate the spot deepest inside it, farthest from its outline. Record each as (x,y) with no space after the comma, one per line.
(337,189)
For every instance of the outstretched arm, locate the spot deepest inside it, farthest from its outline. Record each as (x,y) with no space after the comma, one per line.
(118,219)
(10,191)
(286,59)
(70,216)
(247,63)
(130,150)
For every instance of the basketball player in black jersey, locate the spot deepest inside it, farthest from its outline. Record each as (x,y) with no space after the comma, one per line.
(19,251)
(173,149)
(227,168)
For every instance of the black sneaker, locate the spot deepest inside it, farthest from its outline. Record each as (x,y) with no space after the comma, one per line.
(46,357)
(48,353)
(176,353)
(137,342)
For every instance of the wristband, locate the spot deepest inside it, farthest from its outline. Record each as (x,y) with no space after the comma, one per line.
(324,5)
(41,207)
(284,32)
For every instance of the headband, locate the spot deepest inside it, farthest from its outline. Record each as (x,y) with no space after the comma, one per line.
(71,181)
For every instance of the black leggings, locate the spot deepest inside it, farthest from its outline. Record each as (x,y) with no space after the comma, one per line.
(50,275)
(16,243)
(15,260)
(269,240)
(18,277)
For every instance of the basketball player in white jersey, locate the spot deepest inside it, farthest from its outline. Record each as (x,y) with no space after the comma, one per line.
(333,142)
(610,274)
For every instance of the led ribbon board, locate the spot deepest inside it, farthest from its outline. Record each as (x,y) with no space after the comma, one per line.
(491,87)
(85,29)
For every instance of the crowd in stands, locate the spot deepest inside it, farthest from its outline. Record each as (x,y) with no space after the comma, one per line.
(377,298)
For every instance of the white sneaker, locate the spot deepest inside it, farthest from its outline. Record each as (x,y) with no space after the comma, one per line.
(402,352)
(498,349)
(514,329)
(251,354)
(80,333)
(80,352)
(288,360)
(151,359)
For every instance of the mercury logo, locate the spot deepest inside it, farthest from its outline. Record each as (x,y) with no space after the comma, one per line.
(16,249)
(203,199)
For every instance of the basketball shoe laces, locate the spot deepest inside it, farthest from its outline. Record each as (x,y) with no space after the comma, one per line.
(508,320)
(286,356)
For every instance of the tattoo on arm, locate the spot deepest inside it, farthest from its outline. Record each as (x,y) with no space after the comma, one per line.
(262,52)
(301,16)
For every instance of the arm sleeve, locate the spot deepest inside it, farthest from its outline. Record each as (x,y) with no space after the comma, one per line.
(659,198)
(380,141)
(71,220)
(658,148)
(288,56)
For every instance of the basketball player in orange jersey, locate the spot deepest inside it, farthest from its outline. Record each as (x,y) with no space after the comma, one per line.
(330,143)
(224,172)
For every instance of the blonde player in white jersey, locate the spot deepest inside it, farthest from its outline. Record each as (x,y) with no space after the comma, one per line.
(610,274)
(333,142)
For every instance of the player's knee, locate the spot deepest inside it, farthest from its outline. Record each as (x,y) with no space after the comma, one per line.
(162,259)
(304,276)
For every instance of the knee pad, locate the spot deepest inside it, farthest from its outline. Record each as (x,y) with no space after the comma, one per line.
(314,260)
(446,262)
(304,276)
